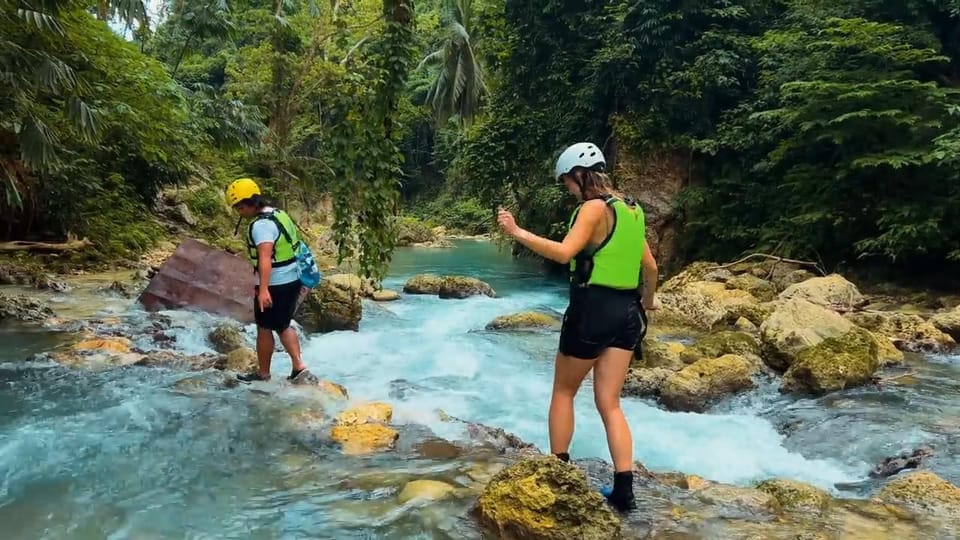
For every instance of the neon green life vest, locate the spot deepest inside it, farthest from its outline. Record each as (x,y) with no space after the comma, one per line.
(615,263)
(283,247)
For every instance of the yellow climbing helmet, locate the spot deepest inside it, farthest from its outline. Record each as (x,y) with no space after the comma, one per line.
(241,189)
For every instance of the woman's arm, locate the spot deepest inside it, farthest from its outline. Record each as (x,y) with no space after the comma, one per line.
(578,237)
(650,276)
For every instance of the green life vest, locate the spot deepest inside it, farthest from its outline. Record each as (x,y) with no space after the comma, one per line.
(616,262)
(285,244)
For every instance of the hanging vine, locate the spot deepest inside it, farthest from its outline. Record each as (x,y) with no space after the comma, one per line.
(364,153)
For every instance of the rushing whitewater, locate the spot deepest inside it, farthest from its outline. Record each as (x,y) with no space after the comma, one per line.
(118,453)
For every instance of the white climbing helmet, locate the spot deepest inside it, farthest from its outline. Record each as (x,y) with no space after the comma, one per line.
(583,154)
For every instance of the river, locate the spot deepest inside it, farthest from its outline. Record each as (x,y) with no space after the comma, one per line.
(121,453)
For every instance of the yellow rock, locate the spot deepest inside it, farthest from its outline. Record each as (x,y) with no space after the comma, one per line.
(359,439)
(425,490)
(796,496)
(524,320)
(334,390)
(385,295)
(923,491)
(115,345)
(375,411)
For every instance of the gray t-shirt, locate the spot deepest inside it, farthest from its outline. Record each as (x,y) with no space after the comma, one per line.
(265,230)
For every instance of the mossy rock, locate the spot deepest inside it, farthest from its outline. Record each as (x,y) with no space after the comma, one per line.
(762,289)
(755,313)
(459,287)
(546,499)
(948,322)
(423,284)
(795,325)
(797,496)
(226,337)
(834,364)
(526,320)
(909,332)
(645,382)
(721,343)
(413,231)
(699,385)
(925,492)
(661,354)
(331,306)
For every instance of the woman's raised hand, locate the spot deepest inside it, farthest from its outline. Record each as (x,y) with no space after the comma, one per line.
(506,222)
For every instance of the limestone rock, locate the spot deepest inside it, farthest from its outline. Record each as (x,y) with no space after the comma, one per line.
(114,345)
(373,412)
(948,322)
(334,305)
(645,382)
(744,324)
(23,308)
(720,343)
(241,360)
(525,320)
(702,304)
(411,231)
(425,490)
(360,439)
(792,277)
(745,499)
(908,332)
(693,272)
(923,491)
(662,354)
(385,295)
(697,386)
(226,337)
(546,499)
(177,360)
(796,496)
(832,290)
(423,284)
(795,325)
(835,363)
(762,289)
(460,287)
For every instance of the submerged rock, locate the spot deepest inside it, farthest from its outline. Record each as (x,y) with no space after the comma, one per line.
(923,492)
(700,384)
(545,498)
(908,332)
(385,295)
(829,291)
(243,359)
(178,360)
(459,287)
(525,320)
(835,363)
(425,490)
(906,460)
(23,308)
(423,284)
(335,304)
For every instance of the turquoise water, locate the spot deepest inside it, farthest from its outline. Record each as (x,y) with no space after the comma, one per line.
(124,453)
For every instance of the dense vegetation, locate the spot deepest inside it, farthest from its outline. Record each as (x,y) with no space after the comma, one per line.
(814,129)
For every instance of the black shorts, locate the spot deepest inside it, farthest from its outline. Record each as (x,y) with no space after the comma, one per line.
(278,316)
(598,318)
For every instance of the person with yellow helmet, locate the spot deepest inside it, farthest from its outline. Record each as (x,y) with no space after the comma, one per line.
(610,263)
(272,241)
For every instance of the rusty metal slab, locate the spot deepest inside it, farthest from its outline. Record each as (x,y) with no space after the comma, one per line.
(201,277)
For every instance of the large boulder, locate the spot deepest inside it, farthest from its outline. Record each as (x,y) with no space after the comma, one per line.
(702,304)
(699,385)
(460,287)
(423,284)
(795,325)
(829,291)
(908,332)
(23,308)
(335,304)
(948,322)
(411,231)
(526,320)
(545,499)
(364,429)
(844,361)
(760,288)
(924,492)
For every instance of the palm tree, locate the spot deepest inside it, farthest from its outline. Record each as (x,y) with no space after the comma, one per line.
(459,85)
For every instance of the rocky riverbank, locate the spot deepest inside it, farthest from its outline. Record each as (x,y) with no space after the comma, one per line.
(720,333)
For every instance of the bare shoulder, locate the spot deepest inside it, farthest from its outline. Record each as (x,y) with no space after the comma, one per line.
(594,207)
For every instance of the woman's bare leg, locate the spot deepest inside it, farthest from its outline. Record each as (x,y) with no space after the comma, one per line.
(567,376)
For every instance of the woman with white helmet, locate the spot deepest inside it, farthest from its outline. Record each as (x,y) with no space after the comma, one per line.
(606,249)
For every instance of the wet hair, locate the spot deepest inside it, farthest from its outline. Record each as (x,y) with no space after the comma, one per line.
(594,183)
